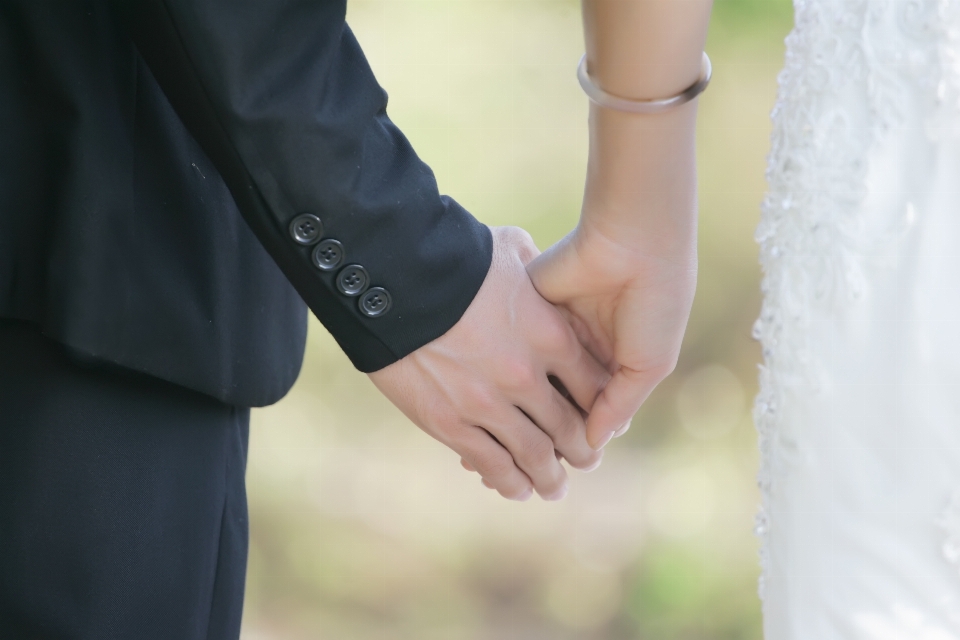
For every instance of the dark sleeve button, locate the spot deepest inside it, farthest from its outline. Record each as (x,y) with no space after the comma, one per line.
(306,229)
(375,302)
(328,255)
(352,280)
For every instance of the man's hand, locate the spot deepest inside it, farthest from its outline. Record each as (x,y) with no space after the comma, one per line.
(628,302)
(482,388)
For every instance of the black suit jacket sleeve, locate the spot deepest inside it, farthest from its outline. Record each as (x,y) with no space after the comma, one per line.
(280,96)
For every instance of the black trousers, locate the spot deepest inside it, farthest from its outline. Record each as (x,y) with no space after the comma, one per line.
(122,501)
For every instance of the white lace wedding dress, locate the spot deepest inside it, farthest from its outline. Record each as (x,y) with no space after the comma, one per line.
(859,407)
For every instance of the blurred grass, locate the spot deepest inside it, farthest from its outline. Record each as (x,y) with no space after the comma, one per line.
(362,527)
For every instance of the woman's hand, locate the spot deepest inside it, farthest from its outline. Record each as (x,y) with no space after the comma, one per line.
(482,388)
(626,276)
(628,308)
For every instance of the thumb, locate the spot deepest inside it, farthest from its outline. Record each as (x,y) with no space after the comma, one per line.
(618,403)
(557,272)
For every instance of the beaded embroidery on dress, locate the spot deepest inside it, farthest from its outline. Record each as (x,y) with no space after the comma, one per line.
(858,413)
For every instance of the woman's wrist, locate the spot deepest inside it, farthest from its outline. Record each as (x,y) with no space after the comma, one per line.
(641,174)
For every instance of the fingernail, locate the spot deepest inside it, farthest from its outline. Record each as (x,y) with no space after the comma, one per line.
(603,441)
(560,494)
(526,495)
(622,430)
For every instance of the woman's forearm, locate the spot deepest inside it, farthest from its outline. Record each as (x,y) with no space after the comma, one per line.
(641,177)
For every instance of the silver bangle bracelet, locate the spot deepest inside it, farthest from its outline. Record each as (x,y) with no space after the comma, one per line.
(604,99)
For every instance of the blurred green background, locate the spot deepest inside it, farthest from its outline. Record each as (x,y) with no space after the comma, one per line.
(362,527)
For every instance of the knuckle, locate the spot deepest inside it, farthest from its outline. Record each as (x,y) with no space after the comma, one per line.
(518,235)
(446,433)
(522,241)
(518,374)
(585,460)
(659,372)
(440,412)
(557,337)
(565,436)
(492,463)
(549,490)
(483,401)
(569,424)
(579,454)
(441,418)
(669,365)
(539,452)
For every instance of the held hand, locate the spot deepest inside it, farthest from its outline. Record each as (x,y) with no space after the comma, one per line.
(482,388)
(629,306)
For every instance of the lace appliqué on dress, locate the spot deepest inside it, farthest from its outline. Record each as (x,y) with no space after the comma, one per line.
(852,68)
